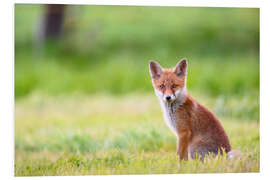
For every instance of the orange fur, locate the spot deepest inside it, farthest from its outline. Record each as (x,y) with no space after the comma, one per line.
(198,130)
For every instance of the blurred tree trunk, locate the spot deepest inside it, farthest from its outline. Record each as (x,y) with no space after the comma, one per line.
(53,23)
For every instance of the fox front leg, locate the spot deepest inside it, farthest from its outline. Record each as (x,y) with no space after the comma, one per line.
(182,145)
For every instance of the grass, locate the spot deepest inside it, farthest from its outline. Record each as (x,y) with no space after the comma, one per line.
(84,103)
(103,134)
(236,76)
(223,55)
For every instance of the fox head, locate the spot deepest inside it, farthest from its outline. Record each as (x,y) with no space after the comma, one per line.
(169,84)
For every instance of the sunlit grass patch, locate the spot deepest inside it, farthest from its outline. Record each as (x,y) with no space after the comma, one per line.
(105,134)
(123,162)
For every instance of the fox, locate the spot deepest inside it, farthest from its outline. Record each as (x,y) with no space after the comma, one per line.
(198,131)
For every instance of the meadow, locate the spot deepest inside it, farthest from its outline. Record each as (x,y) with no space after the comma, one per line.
(98,135)
(84,104)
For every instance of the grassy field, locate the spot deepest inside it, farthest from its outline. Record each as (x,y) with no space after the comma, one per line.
(121,135)
(84,103)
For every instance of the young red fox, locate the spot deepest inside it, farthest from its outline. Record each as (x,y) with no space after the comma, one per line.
(197,129)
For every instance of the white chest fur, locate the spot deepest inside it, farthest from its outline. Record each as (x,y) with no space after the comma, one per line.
(169,114)
(169,109)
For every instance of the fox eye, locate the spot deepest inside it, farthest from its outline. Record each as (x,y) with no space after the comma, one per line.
(174,86)
(162,86)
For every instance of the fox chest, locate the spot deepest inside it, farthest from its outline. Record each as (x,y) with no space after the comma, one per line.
(169,113)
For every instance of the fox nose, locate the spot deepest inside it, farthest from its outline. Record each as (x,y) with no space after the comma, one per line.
(168,98)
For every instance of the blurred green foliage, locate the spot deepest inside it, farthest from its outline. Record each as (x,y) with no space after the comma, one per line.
(106,49)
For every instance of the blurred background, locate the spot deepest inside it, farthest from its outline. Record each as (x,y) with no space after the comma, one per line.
(66,49)
(82,80)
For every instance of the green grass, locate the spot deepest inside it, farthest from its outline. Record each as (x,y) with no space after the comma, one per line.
(105,134)
(84,103)
(228,77)
(102,52)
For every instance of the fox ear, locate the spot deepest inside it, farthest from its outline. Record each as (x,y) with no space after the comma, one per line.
(181,68)
(155,70)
